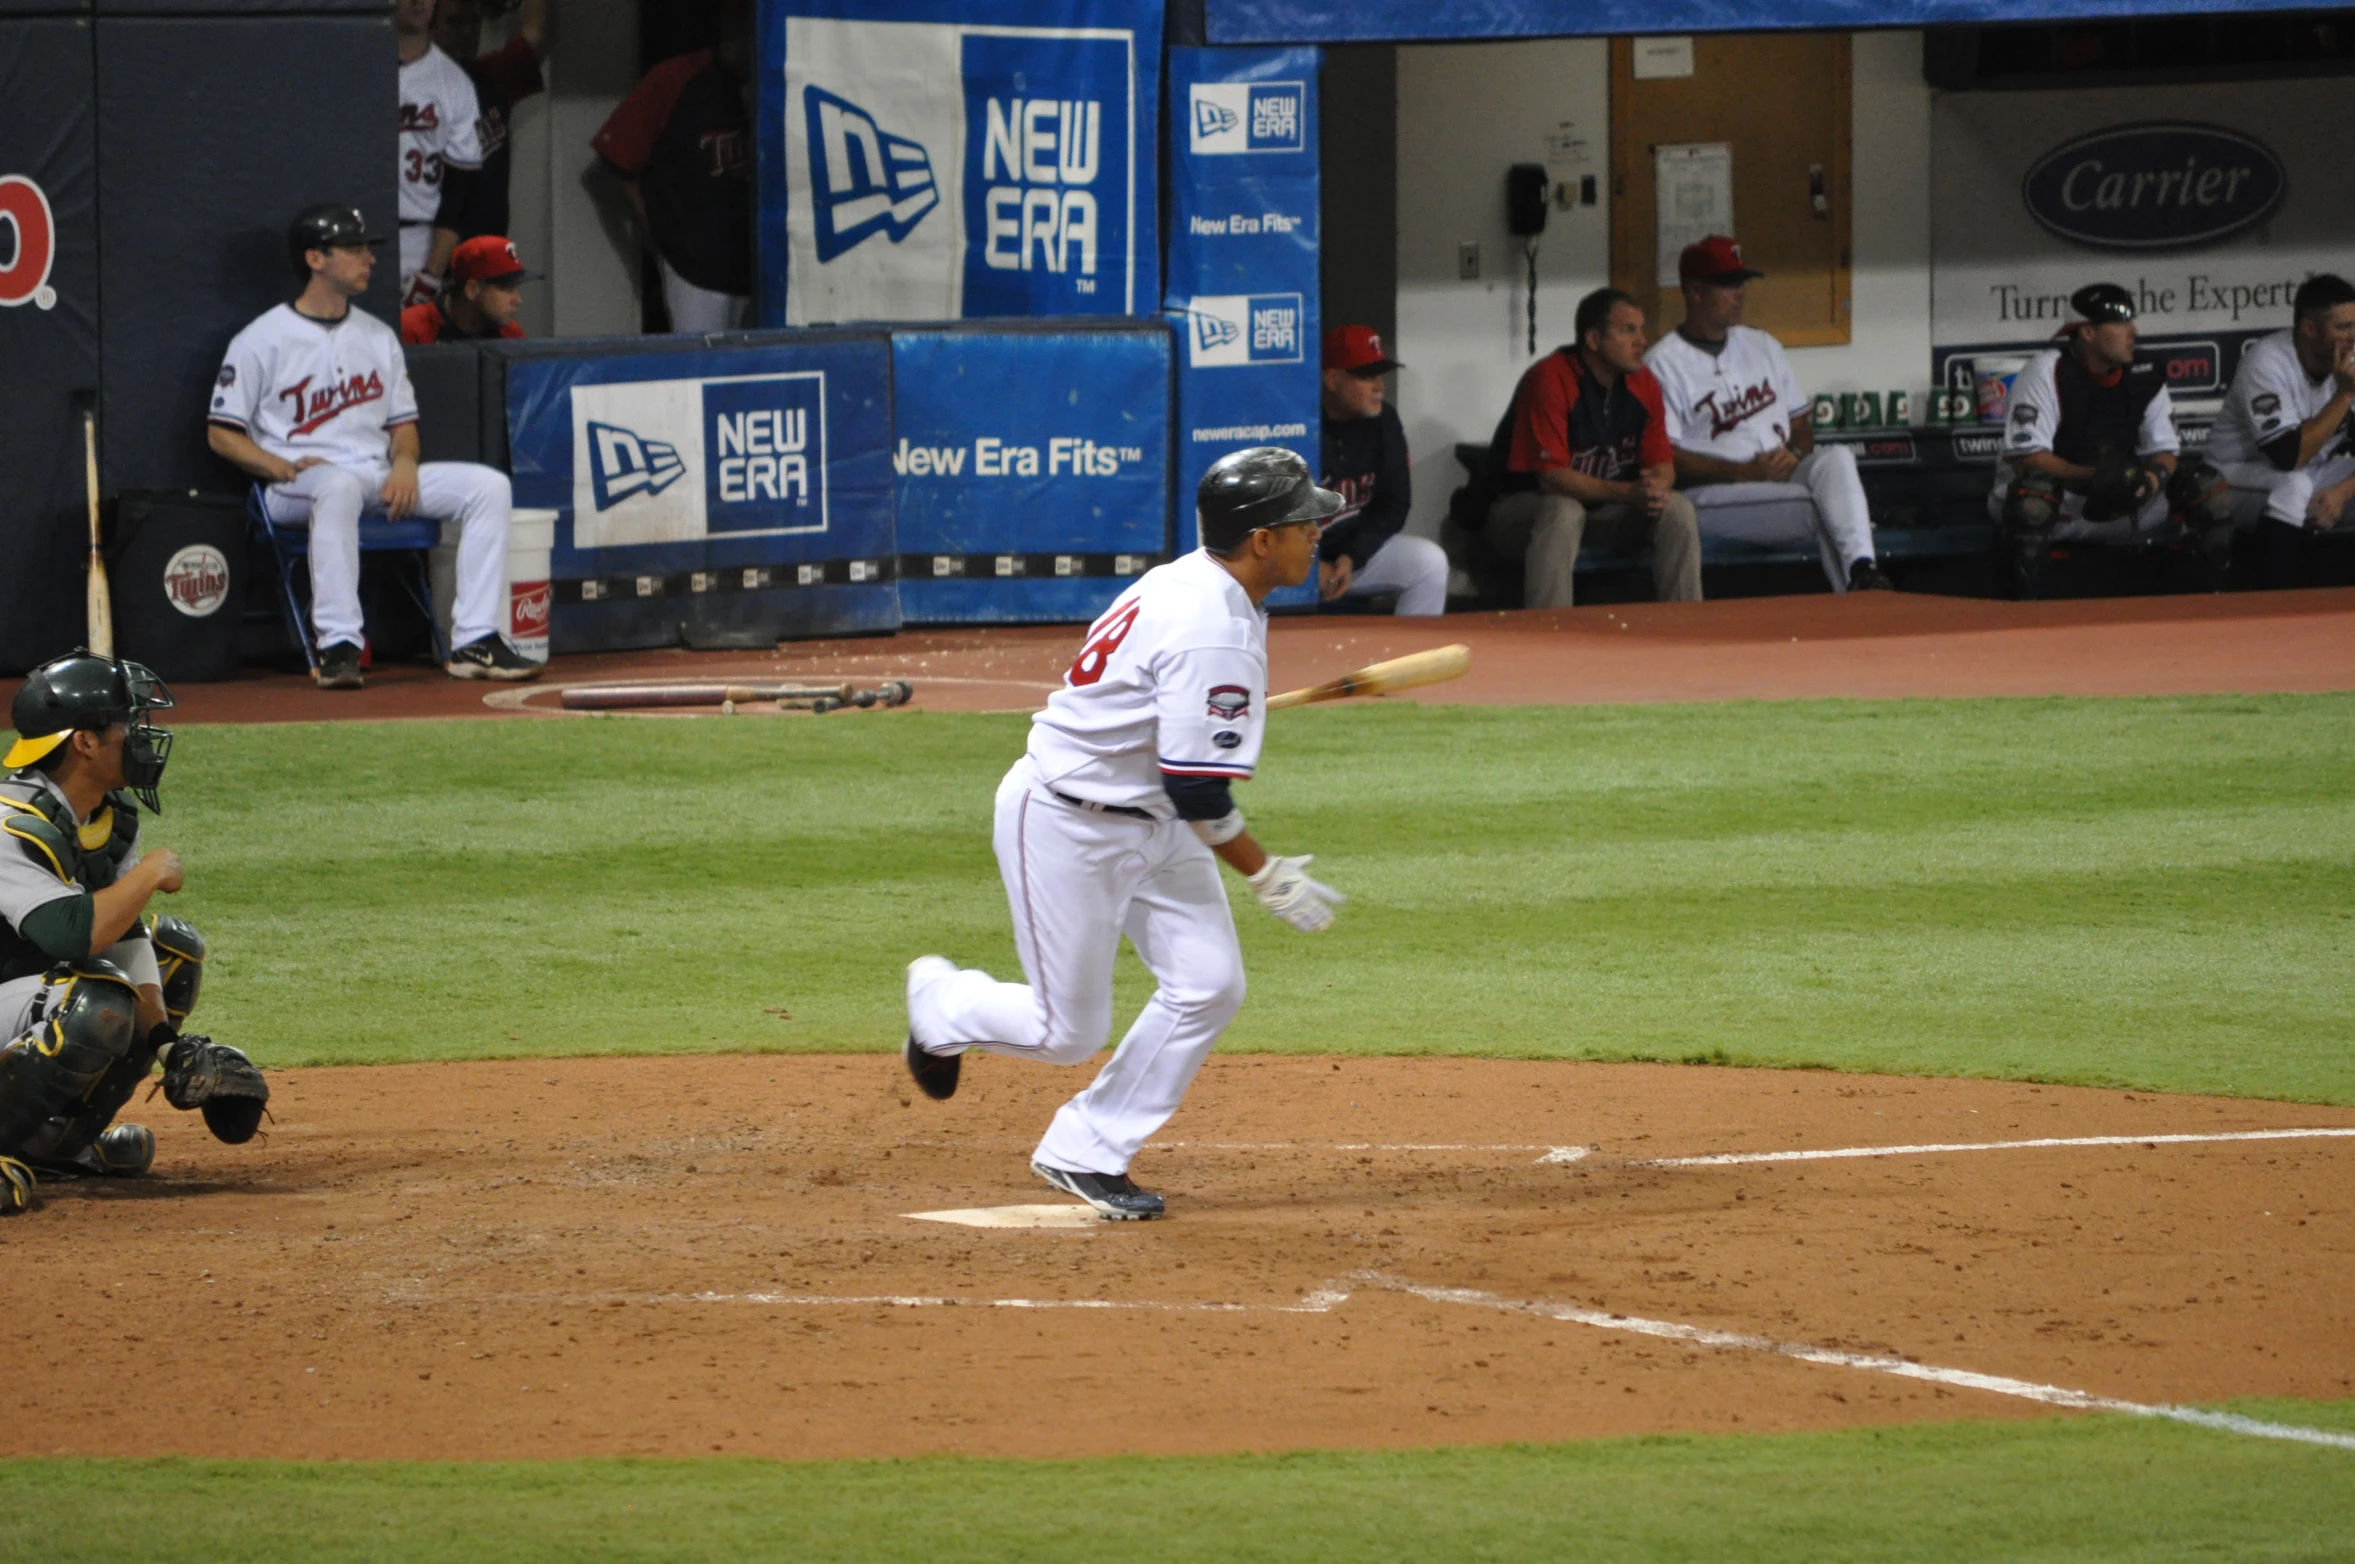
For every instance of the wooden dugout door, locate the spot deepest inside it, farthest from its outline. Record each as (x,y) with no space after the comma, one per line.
(1780,100)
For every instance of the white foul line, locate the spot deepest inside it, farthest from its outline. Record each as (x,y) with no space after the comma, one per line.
(1966,1379)
(1737,1158)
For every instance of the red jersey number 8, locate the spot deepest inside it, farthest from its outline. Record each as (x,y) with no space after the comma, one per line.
(1089,666)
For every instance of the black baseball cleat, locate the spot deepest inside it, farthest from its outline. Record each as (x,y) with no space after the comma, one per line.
(936,1074)
(1114,1194)
(1865,576)
(490,657)
(339,667)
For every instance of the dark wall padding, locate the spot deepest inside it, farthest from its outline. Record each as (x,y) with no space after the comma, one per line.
(213,132)
(46,136)
(447,378)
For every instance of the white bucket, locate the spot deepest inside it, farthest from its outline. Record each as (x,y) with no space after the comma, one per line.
(531,544)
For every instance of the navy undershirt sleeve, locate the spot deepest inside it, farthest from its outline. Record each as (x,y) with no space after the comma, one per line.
(1199,798)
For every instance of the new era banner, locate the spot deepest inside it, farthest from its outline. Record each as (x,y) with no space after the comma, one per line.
(1242,257)
(948,159)
(711,496)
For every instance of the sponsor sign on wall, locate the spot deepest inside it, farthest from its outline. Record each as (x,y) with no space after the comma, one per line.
(2210,203)
(714,488)
(1031,468)
(1242,294)
(958,158)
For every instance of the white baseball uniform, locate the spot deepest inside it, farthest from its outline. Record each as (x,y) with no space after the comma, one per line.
(440,130)
(1171,681)
(2032,422)
(2255,440)
(1737,404)
(335,390)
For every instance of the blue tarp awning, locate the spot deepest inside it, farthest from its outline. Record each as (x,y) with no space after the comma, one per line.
(1346,21)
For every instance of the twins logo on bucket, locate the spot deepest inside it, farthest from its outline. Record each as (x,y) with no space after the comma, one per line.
(1240,116)
(666,461)
(24,209)
(864,180)
(196,580)
(1239,329)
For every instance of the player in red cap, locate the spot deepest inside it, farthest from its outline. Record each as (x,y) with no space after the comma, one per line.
(485,291)
(1745,442)
(1364,549)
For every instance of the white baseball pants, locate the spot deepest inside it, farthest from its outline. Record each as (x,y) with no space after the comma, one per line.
(330,500)
(1837,518)
(1414,568)
(2263,492)
(1076,881)
(699,310)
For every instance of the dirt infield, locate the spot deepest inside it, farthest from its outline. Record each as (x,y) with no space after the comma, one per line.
(677,1256)
(1873,645)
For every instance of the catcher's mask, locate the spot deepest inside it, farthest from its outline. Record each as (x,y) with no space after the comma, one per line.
(83,692)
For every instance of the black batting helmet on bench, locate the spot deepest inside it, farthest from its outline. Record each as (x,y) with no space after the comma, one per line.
(1266,486)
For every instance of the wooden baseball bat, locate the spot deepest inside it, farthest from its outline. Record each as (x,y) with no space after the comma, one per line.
(631,697)
(1435,666)
(100,601)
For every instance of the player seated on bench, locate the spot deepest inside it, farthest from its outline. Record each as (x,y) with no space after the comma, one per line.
(1363,549)
(2089,447)
(2286,437)
(1745,443)
(314,400)
(1584,447)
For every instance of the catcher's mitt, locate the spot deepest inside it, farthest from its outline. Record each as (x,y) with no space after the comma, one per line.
(219,1081)
(2121,483)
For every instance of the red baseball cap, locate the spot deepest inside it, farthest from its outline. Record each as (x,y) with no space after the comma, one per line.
(1357,348)
(489,258)
(1715,259)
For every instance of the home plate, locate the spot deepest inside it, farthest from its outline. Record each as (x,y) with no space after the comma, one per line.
(1014,1216)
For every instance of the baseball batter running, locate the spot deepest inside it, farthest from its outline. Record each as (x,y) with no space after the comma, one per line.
(1108,826)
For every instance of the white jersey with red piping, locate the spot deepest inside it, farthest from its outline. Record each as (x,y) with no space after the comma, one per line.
(1735,404)
(1171,680)
(301,387)
(440,130)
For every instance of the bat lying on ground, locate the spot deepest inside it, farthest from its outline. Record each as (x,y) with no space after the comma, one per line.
(1436,666)
(817,697)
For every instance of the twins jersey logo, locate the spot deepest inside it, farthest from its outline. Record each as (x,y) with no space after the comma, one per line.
(312,409)
(1229,702)
(1240,329)
(1237,117)
(863,179)
(1021,137)
(667,461)
(1745,405)
(24,208)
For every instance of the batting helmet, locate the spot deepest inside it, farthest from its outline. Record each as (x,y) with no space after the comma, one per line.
(325,227)
(86,692)
(1266,486)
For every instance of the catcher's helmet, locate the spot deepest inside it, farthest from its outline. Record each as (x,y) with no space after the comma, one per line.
(83,691)
(325,227)
(1266,486)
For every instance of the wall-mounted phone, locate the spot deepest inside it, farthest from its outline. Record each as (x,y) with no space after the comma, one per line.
(1527,187)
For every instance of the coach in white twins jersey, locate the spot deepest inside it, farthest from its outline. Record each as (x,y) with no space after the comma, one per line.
(2089,445)
(1743,436)
(1109,823)
(313,399)
(2286,437)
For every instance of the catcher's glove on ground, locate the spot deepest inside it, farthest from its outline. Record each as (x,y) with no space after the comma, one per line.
(1284,888)
(220,1081)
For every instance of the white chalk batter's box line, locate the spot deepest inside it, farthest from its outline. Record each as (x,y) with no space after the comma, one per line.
(1727,1159)
(1326,1299)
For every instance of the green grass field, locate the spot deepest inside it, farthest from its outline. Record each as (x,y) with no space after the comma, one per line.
(2149,892)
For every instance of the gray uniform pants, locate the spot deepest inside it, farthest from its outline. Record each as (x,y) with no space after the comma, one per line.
(1546,530)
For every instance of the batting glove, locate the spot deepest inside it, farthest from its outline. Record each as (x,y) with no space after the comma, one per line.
(1284,888)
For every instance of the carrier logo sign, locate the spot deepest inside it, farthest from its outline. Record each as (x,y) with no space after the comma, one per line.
(865,180)
(1264,116)
(24,276)
(2160,185)
(1240,329)
(196,580)
(623,464)
(668,461)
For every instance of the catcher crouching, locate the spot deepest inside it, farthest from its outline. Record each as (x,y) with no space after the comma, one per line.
(91,998)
